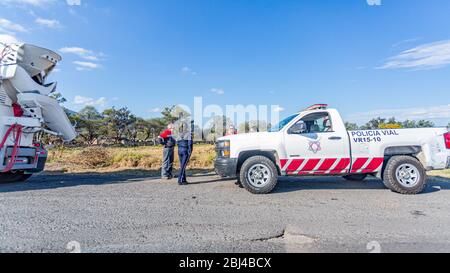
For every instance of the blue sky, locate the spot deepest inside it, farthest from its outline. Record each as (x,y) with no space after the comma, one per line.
(364,57)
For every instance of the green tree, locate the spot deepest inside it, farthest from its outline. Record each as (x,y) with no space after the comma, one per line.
(374,124)
(89,124)
(351,126)
(425,124)
(118,122)
(150,129)
(172,114)
(217,128)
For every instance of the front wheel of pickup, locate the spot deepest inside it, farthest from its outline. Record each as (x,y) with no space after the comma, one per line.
(259,175)
(405,175)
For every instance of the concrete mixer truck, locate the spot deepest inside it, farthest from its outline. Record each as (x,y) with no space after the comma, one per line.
(27,110)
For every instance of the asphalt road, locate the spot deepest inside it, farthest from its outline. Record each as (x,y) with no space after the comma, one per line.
(133,213)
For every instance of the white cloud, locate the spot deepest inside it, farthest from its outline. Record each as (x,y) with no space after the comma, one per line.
(188,71)
(36,3)
(50,23)
(155,110)
(427,56)
(75,50)
(218,91)
(86,54)
(8,26)
(417,113)
(374,2)
(8,39)
(86,101)
(73,2)
(91,58)
(81,66)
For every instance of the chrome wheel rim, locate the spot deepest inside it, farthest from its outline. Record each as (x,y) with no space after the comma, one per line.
(259,175)
(408,175)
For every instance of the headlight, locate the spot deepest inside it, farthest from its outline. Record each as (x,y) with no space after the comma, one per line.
(223,144)
(223,148)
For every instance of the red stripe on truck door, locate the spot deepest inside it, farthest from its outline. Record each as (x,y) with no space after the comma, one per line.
(374,164)
(295,165)
(283,163)
(327,164)
(342,165)
(358,164)
(311,165)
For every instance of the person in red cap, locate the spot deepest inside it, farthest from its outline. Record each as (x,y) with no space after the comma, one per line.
(169,143)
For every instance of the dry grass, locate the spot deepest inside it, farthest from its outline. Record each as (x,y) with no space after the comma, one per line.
(99,159)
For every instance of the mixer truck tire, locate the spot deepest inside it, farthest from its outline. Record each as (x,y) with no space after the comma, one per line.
(14,177)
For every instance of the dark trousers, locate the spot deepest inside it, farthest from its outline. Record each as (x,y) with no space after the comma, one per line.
(167,166)
(184,153)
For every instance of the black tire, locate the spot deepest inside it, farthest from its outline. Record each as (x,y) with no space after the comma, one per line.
(355,177)
(24,177)
(392,182)
(269,169)
(14,177)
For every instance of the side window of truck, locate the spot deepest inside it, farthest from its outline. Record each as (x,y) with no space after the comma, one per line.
(314,123)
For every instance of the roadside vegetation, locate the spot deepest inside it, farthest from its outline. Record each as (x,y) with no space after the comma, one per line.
(113,159)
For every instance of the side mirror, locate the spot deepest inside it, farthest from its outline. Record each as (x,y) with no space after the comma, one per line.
(298,128)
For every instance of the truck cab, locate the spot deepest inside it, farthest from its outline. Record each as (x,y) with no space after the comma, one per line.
(315,142)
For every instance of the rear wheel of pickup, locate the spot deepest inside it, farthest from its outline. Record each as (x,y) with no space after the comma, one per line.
(405,175)
(355,177)
(259,175)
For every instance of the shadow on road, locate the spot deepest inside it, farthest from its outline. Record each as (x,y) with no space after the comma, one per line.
(291,184)
(54,180)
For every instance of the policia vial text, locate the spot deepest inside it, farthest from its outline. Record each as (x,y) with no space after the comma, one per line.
(230,263)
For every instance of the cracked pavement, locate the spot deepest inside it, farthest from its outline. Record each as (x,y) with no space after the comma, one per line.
(131,212)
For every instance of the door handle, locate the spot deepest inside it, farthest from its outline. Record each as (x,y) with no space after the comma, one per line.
(335,138)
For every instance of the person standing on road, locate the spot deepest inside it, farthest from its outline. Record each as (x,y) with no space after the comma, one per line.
(185,143)
(168,141)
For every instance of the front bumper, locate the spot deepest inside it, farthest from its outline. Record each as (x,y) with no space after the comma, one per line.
(226,167)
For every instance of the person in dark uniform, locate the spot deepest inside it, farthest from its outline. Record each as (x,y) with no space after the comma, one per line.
(168,141)
(185,147)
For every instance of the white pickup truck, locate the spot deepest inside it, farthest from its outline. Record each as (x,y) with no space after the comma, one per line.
(315,142)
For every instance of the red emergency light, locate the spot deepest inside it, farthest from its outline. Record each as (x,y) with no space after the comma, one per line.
(319,106)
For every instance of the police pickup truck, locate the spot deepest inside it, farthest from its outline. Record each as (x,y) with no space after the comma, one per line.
(315,142)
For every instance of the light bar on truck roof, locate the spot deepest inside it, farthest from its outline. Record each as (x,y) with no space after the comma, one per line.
(317,107)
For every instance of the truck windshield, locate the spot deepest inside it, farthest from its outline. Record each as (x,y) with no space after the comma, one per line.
(283,123)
